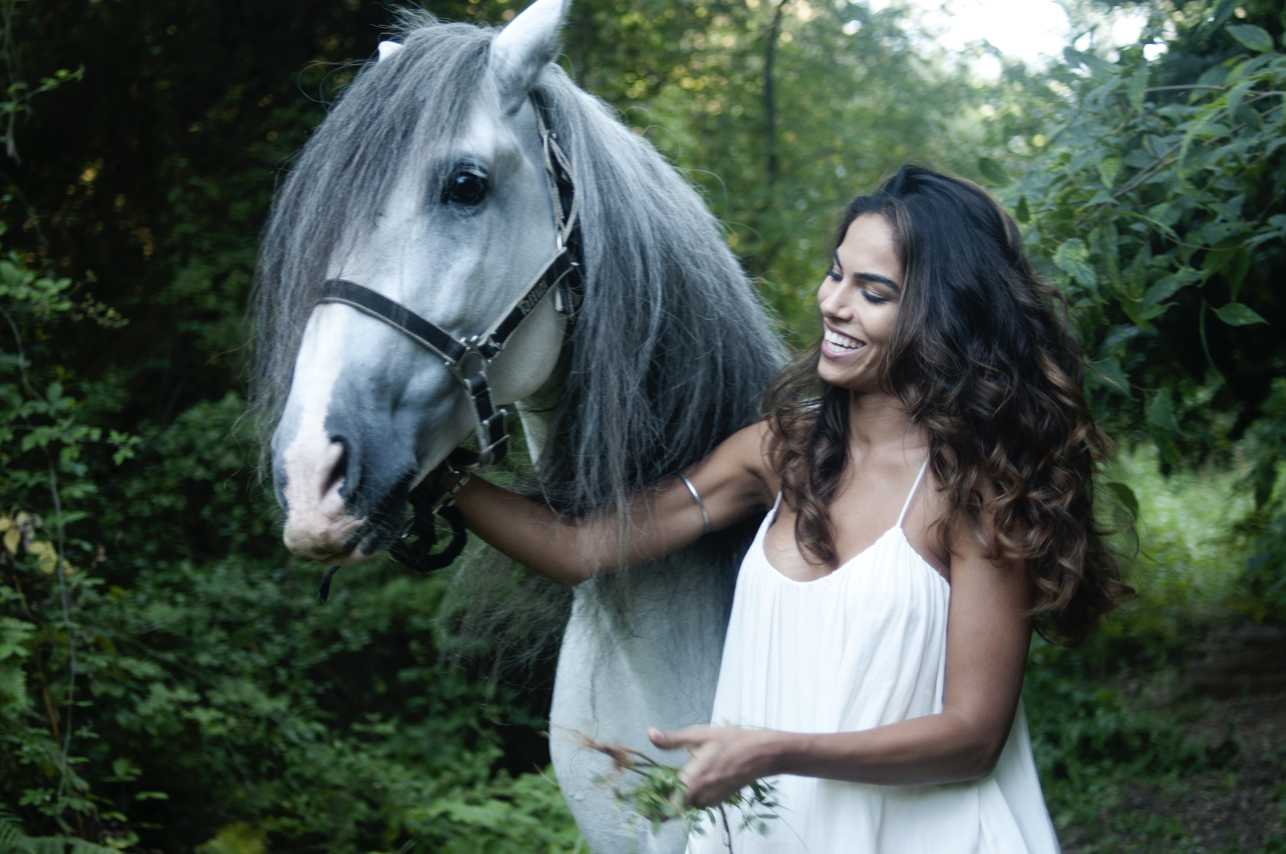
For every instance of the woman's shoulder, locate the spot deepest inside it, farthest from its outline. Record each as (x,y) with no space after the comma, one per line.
(749,450)
(753,444)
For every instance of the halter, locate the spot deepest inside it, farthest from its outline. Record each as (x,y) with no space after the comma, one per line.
(469,358)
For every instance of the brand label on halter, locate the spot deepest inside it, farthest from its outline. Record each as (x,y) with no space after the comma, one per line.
(529,301)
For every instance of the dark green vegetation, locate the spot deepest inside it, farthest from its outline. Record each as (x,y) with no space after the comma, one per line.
(215,705)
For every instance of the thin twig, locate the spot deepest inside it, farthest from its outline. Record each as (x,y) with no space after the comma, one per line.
(71,641)
(1184,86)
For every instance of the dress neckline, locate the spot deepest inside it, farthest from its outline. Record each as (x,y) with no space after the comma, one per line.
(897,527)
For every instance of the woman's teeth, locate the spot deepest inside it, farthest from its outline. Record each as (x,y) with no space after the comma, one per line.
(834,338)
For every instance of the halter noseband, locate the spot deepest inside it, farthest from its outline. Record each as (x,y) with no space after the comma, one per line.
(469,358)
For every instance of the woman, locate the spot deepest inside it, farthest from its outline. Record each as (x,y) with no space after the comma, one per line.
(933,501)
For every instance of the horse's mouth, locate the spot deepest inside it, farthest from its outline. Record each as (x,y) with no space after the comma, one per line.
(368,541)
(327,541)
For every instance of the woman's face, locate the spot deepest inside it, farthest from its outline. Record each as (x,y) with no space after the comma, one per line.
(859,302)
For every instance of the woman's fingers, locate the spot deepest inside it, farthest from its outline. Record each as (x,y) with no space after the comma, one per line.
(715,770)
(690,737)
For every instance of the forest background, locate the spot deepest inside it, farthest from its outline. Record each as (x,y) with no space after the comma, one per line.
(215,706)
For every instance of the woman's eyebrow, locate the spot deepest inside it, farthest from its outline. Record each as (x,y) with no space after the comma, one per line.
(867,277)
(878,279)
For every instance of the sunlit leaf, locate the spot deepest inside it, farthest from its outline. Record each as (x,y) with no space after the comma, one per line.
(1071,257)
(1108,168)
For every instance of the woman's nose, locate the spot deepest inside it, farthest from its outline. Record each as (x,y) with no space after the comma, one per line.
(832,303)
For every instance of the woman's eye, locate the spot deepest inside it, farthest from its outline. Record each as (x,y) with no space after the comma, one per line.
(873,299)
(836,275)
(465,188)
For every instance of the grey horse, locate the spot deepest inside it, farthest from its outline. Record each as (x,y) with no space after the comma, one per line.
(427,184)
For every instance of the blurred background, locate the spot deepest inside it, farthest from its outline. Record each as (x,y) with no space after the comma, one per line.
(216,708)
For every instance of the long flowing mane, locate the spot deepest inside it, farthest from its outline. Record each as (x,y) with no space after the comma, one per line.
(670,350)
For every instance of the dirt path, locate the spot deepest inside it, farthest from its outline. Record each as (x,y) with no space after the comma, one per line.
(1234,689)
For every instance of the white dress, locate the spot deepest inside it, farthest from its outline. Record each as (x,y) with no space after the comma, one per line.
(859,648)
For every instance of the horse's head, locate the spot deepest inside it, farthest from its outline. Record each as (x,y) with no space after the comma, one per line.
(426,185)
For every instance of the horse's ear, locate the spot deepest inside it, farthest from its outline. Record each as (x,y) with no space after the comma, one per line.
(387,49)
(524,48)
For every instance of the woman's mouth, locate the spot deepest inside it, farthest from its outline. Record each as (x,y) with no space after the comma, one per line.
(836,345)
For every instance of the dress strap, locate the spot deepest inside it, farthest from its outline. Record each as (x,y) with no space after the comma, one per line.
(919,477)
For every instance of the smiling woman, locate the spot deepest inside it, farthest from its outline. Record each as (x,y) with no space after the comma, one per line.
(879,690)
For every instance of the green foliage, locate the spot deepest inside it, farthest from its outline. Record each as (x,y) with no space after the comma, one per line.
(213,684)
(166,679)
(1158,210)
(1090,739)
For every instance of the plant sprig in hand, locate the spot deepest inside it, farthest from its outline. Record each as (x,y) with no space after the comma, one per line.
(658,797)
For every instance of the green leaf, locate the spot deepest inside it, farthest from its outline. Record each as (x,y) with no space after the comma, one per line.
(1110,374)
(1125,497)
(1136,89)
(1100,66)
(1255,38)
(995,173)
(1161,412)
(1108,169)
(1223,12)
(1022,213)
(1249,116)
(1153,303)
(1070,257)
(239,838)
(1238,314)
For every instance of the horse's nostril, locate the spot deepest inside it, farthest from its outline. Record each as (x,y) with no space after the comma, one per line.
(339,449)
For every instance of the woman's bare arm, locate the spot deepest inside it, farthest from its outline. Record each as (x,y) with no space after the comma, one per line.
(732,481)
(988,634)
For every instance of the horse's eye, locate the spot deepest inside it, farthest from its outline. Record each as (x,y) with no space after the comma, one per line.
(465,188)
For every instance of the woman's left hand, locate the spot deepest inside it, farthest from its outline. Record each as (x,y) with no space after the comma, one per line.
(725,759)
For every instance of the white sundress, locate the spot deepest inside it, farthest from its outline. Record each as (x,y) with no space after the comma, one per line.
(859,648)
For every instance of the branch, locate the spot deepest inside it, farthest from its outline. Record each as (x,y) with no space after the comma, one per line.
(770,103)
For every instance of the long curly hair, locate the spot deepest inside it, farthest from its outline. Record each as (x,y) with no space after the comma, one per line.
(981,358)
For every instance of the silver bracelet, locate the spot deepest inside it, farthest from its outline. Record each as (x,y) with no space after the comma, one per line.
(705,517)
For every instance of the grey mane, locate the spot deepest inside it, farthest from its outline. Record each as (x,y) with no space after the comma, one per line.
(670,351)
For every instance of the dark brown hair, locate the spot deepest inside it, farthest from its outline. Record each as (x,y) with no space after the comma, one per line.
(984,363)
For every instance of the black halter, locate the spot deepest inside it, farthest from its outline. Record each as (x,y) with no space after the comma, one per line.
(469,358)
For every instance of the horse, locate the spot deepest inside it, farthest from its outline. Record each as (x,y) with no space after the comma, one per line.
(428,190)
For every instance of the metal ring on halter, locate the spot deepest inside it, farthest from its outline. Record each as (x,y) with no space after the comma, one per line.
(448,496)
(705,517)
